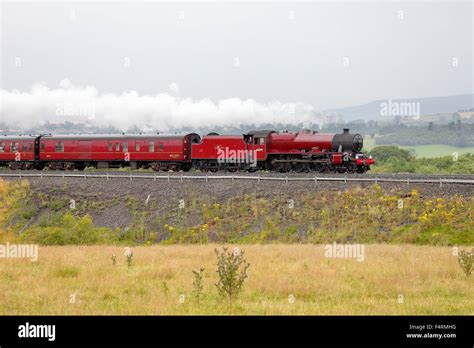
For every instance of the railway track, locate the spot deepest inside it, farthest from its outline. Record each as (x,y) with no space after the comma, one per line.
(291,177)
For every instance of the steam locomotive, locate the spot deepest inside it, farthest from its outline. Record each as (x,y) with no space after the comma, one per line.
(283,151)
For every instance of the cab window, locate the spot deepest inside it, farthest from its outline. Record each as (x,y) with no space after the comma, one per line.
(2,147)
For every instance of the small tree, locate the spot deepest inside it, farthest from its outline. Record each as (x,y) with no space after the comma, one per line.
(197,284)
(232,270)
(466,261)
(129,255)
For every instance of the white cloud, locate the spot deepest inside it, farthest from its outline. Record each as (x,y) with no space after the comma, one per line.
(174,87)
(160,112)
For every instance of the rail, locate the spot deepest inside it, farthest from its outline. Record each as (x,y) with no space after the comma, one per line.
(257,178)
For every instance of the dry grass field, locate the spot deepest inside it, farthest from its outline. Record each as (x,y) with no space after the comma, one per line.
(283,279)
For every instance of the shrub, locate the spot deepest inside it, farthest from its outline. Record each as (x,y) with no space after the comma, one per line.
(197,284)
(66,229)
(466,260)
(232,270)
(129,255)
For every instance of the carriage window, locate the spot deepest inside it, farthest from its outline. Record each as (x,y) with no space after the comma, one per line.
(160,146)
(59,146)
(23,147)
(30,147)
(109,146)
(2,147)
(13,147)
(137,147)
(125,147)
(151,146)
(117,147)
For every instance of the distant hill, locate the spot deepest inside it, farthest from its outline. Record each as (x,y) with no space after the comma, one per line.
(427,106)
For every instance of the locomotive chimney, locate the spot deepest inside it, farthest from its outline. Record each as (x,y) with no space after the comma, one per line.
(345,130)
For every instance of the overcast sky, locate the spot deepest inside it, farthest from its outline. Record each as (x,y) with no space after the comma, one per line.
(319,54)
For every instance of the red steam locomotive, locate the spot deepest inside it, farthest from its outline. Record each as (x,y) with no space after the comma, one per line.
(284,151)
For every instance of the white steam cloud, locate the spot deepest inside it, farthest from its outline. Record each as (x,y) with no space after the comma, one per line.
(161,112)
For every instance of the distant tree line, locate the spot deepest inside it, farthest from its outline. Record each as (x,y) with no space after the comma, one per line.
(454,133)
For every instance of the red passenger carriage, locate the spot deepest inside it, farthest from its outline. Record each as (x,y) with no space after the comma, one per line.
(17,151)
(167,152)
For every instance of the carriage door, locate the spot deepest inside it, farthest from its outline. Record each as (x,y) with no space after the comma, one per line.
(116,148)
(259,144)
(37,148)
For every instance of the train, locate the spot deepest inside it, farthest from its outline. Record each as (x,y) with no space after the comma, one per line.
(278,151)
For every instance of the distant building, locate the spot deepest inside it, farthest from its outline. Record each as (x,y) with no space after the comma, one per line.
(466,114)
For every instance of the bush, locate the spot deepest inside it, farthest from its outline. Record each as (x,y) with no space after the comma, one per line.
(466,261)
(383,153)
(232,270)
(66,229)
